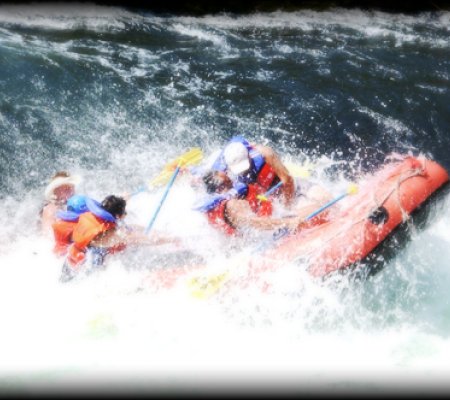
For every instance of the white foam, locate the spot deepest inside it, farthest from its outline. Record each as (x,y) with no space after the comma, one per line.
(57,16)
(105,327)
(202,35)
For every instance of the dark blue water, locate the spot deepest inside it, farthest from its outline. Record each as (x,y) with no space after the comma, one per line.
(344,84)
(113,95)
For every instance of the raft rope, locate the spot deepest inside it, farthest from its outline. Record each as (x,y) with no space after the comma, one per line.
(412,172)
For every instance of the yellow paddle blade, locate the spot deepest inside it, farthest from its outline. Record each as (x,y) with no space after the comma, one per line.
(261,197)
(101,326)
(192,157)
(352,189)
(203,287)
(296,170)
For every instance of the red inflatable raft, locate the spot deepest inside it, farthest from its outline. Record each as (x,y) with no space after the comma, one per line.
(351,229)
(358,223)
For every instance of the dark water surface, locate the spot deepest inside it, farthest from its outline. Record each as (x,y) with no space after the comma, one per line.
(344,83)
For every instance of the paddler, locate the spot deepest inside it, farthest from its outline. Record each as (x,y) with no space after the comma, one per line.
(251,163)
(61,187)
(101,231)
(237,209)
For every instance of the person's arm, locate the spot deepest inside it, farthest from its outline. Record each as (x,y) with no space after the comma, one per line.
(135,235)
(131,236)
(241,216)
(288,188)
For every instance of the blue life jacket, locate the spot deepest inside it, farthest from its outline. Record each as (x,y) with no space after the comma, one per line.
(95,208)
(76,205)
(237,191)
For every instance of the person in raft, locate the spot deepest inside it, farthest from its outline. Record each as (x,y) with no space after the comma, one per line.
(61,187)
(100,231)
(250,163)
(238,210)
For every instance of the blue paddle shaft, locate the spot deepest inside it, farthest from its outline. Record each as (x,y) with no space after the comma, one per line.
(325,206)
(270,191)
(169,185)
(284,231)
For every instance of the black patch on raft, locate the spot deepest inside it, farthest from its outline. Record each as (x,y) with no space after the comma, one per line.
(379,216)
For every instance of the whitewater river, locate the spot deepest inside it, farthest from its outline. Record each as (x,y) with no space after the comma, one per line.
(113,95)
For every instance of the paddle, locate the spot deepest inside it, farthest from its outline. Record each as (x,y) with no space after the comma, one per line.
(191,157)
(302,171)
(263,197)
(297,171)
(352,189)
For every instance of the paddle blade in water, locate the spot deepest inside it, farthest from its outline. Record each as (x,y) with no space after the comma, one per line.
(203,287)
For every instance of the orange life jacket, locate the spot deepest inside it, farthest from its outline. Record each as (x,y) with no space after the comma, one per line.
(217,215)
(62,232)
(89,226)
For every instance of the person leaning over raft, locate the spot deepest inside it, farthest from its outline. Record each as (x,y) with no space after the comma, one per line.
(250,163)
(61,187)
(237,209)
(100,231)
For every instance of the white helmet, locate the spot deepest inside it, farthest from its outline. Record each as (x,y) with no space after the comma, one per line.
(236,158)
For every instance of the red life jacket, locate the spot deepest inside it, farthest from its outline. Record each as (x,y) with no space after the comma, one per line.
(62,232)
(89,226)
(259,207)
(217,215)
(267,177)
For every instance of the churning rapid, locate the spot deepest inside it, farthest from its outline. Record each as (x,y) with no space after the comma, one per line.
(114,95)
